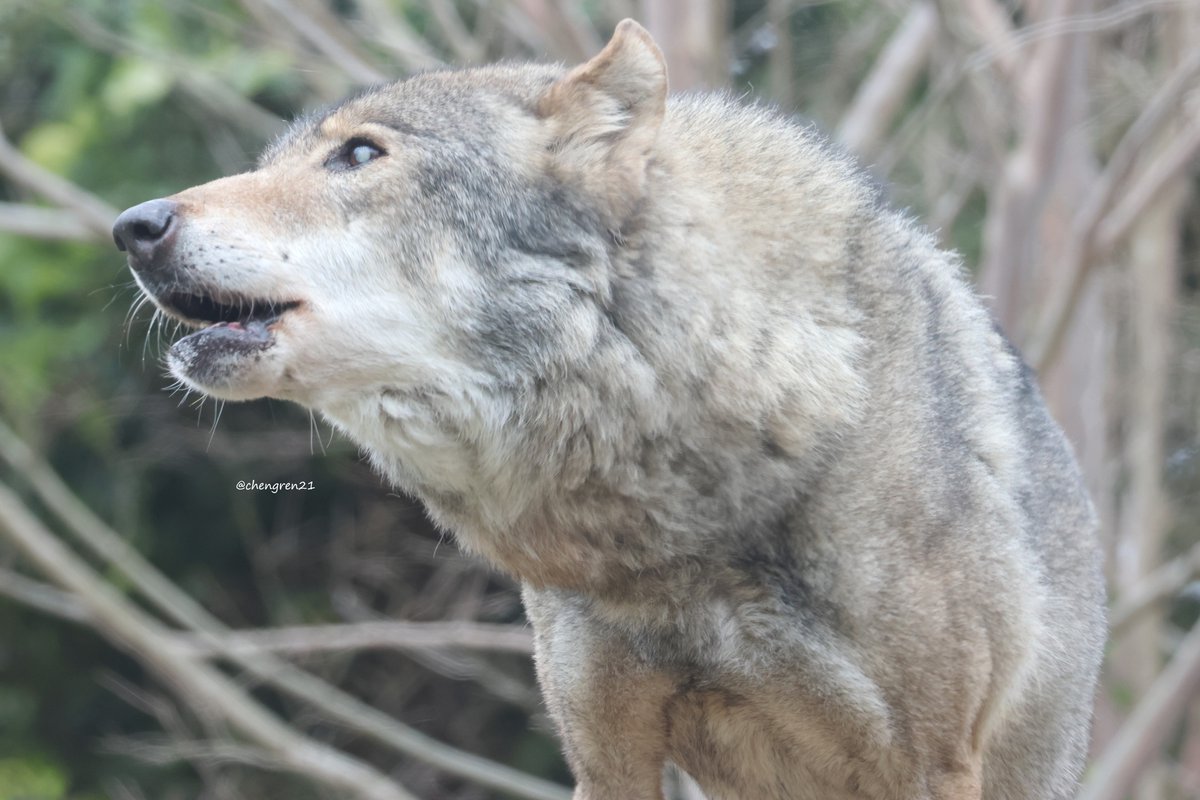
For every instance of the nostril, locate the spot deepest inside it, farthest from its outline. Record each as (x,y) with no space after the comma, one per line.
(141,229)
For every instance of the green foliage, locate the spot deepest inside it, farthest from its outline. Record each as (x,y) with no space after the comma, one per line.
(31,778)
(47,319)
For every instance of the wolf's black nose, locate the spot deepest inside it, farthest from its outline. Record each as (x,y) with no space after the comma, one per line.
(144,230)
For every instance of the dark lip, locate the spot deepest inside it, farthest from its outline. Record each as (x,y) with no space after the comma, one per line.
(201,309)
(211,356)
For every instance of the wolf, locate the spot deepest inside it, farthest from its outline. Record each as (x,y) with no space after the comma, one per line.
(786,506)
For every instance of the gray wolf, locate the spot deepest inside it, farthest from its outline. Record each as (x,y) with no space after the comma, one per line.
(786,506)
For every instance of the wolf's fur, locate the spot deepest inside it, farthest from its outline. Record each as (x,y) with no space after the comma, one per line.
(788,509)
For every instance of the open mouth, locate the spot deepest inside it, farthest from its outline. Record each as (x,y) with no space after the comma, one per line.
(203,311)
(225,319)
(234,332)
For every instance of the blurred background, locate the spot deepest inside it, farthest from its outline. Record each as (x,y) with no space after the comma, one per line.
(164,635)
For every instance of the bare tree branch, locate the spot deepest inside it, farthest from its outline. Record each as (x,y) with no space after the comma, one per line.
(366,636)
(1113,773)
(1172,165)
(996,30)
(427,642)
(381,635)
(335,704)
(172,751)
(1070,24)
(891,80)
(41,596)
(464,46)
(320,33)
(203,687)
(207,89)
(46,223)
(1160,108)
(560,26)
(175,724)
(1093,238)
(1157,587)
(392,31)
(1084,248)
(1029,175)
(93,212)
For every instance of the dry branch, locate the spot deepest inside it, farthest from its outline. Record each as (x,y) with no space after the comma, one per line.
(178,727)
(1085,251)
(1120,14)
(464,46)
(891,80)
(203,687)
(994,27)
(383,635)
(391,30)
(430,643)
(560,26)
(333,703)
(320,33)
(1157,587)
(200,83)
(1138,741)
(46,223)
(41,596)
(1030,173)
(1098,226)
(298,639)
(168,752)
(1173,164)
(90,210)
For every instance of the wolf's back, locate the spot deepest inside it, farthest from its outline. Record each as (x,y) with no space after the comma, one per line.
(942,503)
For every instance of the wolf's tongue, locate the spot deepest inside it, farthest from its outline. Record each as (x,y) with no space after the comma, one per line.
(251,329)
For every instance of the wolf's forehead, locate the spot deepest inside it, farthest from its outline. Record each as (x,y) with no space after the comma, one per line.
(444,104)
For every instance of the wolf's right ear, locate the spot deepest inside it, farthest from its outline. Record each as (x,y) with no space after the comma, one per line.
(606,115)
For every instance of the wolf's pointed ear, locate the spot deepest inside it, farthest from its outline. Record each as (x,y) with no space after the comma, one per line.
(606,114)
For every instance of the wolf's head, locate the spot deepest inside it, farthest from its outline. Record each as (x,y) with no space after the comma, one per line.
(452,225)
(540,299)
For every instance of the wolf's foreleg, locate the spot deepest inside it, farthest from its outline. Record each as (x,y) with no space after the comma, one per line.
(609,705)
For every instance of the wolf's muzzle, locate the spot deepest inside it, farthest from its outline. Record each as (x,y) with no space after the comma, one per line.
(146,231)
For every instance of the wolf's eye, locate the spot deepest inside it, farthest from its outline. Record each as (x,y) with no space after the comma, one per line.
(354,153)
(363,153)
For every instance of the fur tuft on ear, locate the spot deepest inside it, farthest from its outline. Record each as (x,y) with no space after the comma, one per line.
(606,114)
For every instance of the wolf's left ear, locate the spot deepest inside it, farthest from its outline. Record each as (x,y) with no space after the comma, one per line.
(606,116)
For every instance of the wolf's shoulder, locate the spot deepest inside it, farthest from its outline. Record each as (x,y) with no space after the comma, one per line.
(753,139)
